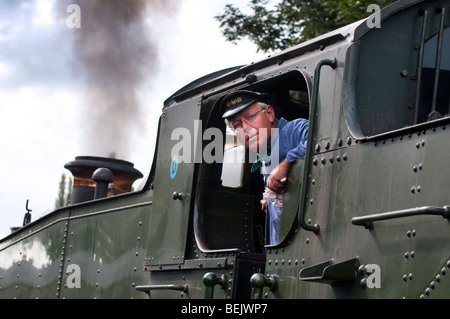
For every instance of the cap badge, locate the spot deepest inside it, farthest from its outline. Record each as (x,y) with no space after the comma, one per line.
(234,101)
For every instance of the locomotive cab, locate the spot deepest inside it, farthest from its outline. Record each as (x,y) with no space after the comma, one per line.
(228,212)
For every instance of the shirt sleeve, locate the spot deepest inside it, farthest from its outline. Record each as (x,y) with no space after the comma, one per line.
(296,137)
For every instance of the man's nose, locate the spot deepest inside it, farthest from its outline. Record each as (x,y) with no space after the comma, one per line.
(245,126)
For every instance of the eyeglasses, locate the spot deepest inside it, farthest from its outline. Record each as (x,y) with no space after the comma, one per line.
(236,125)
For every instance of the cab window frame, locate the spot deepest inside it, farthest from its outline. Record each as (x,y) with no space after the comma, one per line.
(248,187)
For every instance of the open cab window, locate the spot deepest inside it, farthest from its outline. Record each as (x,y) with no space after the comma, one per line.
(399,80)
(228,212)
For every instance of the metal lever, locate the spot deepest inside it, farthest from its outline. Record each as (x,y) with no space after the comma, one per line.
(210,280)
(259,281)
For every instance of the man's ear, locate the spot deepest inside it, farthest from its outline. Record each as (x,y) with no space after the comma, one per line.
(271,113)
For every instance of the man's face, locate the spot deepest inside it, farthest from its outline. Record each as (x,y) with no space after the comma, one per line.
(252,127)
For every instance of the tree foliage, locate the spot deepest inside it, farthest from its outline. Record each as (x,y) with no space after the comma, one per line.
(290,22)
(64,194)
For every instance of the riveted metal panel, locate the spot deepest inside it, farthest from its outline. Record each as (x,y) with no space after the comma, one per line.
(31,259)
(174,175)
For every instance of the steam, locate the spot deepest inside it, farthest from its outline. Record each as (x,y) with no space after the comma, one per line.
(116,54)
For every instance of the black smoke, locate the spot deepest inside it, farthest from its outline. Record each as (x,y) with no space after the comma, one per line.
(116,52)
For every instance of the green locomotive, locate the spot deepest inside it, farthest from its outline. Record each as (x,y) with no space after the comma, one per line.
(366,211)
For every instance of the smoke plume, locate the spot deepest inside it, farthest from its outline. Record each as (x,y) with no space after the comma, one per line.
(116,53)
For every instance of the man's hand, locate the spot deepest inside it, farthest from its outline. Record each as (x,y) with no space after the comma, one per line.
(277,178)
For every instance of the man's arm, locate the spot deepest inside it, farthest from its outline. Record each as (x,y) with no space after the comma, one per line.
(275,181)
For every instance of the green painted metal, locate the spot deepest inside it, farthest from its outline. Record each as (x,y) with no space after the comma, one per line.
(373,160)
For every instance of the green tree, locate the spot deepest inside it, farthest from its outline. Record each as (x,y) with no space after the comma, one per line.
(290,22)
(64,195)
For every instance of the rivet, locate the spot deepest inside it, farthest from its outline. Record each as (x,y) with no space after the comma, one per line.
(438,278)
(349,140)
(410,276)
(444,271)
(427,291)
(361,270)
(315,162)
(432,285)
(324,160)
(406,255)
(363,283)
(345,157)
(405,278)
(317,148)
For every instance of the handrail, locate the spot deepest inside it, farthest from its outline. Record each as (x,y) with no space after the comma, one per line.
(148,288)
(367,221)
(309,146)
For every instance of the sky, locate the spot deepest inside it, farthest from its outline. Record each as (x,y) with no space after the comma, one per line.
(55,81)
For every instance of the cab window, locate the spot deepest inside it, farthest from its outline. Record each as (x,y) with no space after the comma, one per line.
(395,80)
(435,81)
(228,210)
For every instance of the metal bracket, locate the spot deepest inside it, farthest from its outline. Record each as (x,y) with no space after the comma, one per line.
(340,274)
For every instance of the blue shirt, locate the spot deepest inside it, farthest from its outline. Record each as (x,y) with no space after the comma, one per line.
(290,139)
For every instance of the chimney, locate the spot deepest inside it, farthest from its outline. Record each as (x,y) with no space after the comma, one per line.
(112,176)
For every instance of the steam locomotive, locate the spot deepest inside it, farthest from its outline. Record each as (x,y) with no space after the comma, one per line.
(365,214)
